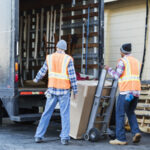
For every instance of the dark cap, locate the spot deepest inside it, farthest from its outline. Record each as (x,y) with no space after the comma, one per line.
(126,48)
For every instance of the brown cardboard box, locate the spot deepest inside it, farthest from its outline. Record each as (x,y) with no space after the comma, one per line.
(81,107)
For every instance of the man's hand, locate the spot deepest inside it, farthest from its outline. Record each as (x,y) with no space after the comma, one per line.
(106,67)
(35,81)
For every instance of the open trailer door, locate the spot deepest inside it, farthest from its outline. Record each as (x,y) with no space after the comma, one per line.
(8,46)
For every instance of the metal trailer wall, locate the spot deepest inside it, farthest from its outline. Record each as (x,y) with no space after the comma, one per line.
(8,46)
(92,55)
(71,30)
(32,50)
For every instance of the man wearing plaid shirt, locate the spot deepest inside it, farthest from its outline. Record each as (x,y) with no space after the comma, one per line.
(127,73)
(58,90)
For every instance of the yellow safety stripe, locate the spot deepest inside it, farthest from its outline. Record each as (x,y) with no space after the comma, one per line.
(50,62)
(65,61)
(137,76)
(129,78)
(63,74)
(127,65)
(58,75)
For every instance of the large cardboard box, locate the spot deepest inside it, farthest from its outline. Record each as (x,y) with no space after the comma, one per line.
(81,108)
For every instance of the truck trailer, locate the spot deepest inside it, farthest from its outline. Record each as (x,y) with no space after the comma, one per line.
(29,30)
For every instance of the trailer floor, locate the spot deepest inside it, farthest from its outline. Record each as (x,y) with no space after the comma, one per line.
(20,137)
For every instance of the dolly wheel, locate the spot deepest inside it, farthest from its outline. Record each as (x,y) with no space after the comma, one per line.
(94,135)
(86,136)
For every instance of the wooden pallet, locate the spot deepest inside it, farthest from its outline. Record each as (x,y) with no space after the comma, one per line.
(143,109)
(144,123)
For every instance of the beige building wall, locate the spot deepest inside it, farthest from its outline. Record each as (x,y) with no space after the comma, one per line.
(125,22)
(146,71)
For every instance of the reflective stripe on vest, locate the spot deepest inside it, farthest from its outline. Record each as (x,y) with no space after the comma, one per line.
(128,78)
(65,62)
(58,75)
(49,62)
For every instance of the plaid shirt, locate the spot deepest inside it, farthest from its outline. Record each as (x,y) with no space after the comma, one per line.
(117,73)
(72,77)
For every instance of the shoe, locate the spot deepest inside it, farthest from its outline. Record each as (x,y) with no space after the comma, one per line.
(38,140)
(136,138)
(117,142)
(64,142)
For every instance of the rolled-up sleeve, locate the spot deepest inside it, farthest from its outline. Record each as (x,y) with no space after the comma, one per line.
(42,72)
(119,70)
(72,76)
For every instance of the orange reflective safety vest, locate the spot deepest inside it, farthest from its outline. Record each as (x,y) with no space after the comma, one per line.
(129,80)
(57,70)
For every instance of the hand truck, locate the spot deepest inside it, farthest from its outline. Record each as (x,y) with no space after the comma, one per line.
(106,105)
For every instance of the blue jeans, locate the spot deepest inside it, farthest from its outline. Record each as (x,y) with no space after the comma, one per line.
(64,102)
(124,106)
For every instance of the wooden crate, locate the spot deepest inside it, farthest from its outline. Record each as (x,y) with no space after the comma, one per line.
(143,109)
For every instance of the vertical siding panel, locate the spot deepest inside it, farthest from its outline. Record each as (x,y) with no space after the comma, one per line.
(106,36)
(126,24)
(146,71)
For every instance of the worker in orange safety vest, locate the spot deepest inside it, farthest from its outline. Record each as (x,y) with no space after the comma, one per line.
(127,73)
(61,79)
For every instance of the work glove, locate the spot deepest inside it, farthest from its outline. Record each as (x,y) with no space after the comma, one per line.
(35,80)
(129,97)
